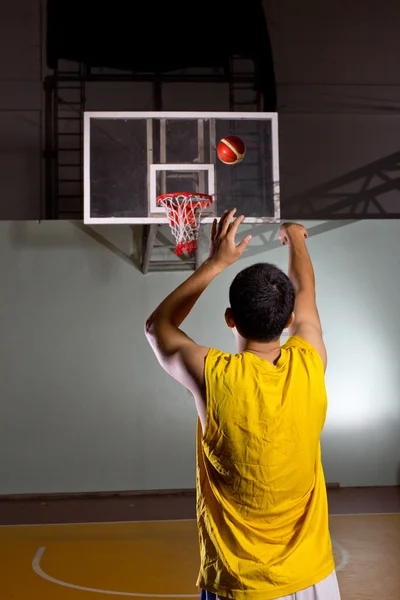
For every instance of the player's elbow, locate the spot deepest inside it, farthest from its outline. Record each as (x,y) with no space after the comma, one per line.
(154,331)
(149,326)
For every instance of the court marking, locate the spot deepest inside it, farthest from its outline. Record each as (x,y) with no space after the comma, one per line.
(345,556)
(345,559)
(39,571)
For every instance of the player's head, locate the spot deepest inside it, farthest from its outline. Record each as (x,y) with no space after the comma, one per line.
(261,303)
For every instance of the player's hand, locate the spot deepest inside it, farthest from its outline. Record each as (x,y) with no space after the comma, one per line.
(289,232)
(223,249)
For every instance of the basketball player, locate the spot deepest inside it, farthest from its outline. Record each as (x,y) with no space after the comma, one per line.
(261,497)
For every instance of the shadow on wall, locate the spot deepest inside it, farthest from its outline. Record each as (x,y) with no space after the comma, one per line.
(370,192)
(268,235)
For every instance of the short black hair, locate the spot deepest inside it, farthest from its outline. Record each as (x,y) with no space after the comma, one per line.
(262,301)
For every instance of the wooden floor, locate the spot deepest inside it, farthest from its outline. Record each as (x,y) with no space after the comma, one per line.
(159,558)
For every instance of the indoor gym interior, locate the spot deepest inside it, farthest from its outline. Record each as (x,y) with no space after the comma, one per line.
(97,443)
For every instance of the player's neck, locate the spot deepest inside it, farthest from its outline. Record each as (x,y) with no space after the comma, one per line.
(267,349)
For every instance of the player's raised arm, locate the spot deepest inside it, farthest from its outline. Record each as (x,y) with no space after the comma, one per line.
(180,356)
(307,324)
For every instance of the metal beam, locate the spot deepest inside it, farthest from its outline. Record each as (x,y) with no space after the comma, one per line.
(172,263)
(199,249)
(139,77)
(148,239)
(173,266)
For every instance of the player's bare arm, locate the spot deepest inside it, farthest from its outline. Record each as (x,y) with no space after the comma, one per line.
(176,352)
(306,324)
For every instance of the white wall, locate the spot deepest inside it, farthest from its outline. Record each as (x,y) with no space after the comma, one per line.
(86,407)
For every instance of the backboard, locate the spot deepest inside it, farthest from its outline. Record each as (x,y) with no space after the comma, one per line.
(130,158)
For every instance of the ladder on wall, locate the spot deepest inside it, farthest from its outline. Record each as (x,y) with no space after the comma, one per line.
(243,95)
(65,91)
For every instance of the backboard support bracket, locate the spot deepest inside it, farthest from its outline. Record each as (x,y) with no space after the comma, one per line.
(153,232)
(148,239)
(103,241)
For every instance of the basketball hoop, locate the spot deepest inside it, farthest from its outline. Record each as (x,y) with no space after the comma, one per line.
(184,211)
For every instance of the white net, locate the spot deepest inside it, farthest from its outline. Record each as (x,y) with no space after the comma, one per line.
(184,212)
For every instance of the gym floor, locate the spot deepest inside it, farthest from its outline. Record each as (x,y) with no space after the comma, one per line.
(146,546)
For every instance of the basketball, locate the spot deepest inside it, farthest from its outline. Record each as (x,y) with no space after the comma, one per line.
(231,150)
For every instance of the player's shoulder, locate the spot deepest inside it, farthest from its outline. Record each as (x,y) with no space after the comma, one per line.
(222,359)
(298,345)
(296,341)
(216,354)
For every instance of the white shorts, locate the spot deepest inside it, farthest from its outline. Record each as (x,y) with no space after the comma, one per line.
(327,589)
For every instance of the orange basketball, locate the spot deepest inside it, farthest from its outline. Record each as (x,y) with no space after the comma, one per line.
(231,150)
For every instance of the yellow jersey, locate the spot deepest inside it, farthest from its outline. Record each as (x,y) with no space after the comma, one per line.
(262,507)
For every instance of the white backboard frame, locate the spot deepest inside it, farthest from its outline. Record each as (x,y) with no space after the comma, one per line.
(160,219)
(155,168)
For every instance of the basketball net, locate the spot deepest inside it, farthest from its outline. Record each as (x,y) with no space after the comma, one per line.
(184,212)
